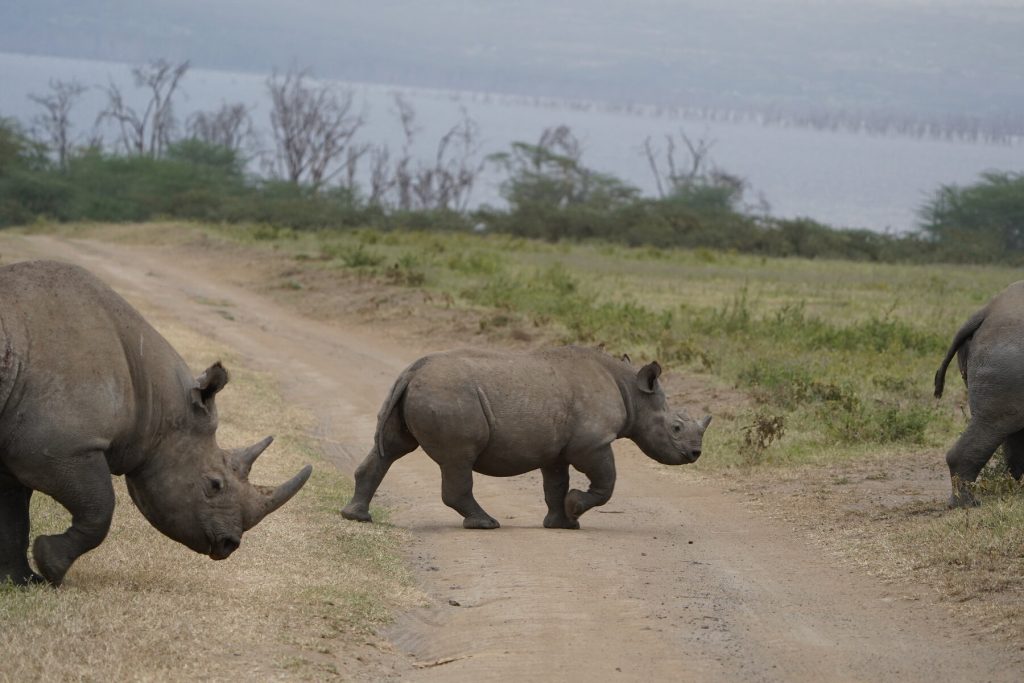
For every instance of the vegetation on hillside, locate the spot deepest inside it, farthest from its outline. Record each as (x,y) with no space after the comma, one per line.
(318,176)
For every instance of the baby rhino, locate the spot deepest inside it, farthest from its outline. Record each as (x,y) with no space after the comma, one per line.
(503,414)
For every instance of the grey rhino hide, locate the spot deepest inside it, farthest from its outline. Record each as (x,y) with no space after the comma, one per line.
(504,414)
(990,353)
(89,389)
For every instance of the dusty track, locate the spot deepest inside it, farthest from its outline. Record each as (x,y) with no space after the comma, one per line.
(673,580)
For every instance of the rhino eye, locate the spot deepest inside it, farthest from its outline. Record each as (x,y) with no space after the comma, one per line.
(676,429)
(214,485)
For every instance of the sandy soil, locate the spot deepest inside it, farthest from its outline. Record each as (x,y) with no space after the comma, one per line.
(677,578)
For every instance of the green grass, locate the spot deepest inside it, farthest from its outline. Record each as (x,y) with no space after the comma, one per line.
(843,351)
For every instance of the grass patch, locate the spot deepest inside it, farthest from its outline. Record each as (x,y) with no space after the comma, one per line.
(843,351)
(299,598)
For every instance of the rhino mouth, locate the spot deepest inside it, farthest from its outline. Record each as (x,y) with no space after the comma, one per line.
(222,547)
(690,457)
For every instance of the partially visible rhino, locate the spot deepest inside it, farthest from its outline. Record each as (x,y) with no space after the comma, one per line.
(89,389)
(990,352)
(504,414)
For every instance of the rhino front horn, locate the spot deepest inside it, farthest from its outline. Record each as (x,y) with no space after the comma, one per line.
(245,457)
(705,421)
(267,500)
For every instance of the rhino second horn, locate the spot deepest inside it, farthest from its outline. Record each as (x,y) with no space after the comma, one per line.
(266,501)
(245,457)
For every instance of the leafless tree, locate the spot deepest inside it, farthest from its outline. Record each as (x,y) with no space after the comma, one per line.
(381,179)
(55,121)
(445,183)
(313,126)
(671,177)
(229,126)
(353,155)
(148,131)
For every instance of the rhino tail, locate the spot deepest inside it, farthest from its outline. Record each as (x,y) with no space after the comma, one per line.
(962,335)
(389,418)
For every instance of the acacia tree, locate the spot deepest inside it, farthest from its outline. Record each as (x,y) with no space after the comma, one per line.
(551,174)
(980,221)
(55,121)
(147,131)
(313,127)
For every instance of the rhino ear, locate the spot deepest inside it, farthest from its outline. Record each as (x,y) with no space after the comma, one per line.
(626,360)
(647,378)
(207,386)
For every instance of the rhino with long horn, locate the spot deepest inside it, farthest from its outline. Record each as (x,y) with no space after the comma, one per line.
(89,389)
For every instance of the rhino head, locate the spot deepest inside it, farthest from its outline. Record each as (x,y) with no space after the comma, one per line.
(669,437)
(198,493)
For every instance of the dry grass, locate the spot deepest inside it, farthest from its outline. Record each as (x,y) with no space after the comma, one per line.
(299,599)
(879,504)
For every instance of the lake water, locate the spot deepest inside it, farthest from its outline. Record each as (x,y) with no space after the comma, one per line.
(840,178)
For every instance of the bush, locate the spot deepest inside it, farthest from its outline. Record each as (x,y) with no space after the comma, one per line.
(981,222)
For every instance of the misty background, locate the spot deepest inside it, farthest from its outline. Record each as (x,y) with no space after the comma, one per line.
(847,111)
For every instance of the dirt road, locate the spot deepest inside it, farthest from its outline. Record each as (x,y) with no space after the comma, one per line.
(673,580)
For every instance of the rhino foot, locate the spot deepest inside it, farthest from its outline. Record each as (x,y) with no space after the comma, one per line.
(53,557)
(555,521)
(574,505)
(484,522)
(963,499)
(356,513)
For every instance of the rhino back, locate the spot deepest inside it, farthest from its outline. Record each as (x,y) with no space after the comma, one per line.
(995,361)
(515,411)
(86,362)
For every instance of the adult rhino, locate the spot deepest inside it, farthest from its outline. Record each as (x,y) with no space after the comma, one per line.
(504,414)
(990,352)
(89,389)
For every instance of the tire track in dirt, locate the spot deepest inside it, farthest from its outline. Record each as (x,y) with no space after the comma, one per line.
(673,580)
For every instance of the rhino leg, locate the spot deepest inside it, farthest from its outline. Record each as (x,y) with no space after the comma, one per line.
(556,486)
(1013,447)
(396,442)
(457,493)
(600,470)
(85,489)
(14,528)
(968,455)
(369,475)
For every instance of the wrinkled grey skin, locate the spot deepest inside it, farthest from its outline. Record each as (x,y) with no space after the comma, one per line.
(89,389)
(504,414)
(990,352)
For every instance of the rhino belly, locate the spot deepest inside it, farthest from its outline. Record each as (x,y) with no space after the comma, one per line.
(508,457)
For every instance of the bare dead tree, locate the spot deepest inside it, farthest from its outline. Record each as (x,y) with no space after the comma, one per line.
(148,131)
(55,121)
(353,155)
(444,183)
(313,126)
(448,183)
(229,126)
(403,176)
(381,179)
(671,177)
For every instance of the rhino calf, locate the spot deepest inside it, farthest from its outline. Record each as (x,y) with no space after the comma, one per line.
(504,414)
(990,352)
(89,389)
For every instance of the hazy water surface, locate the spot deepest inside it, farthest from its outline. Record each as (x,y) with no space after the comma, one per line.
(840,178)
